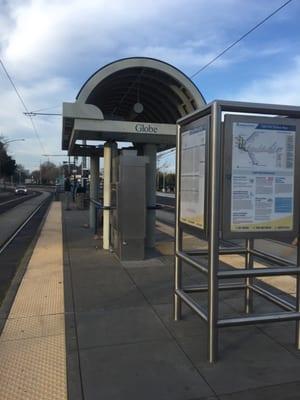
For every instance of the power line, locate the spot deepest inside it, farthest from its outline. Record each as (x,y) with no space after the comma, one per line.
(33,114)
(55,155)
(166,153)
(45,109)
(241,38)
(38,112)
(23,104)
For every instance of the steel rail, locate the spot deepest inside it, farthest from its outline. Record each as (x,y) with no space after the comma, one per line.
(244,273)
(258,319)
(286,305)
(19,229)
(191,303)
(222,286)
(191,262)
(27,197)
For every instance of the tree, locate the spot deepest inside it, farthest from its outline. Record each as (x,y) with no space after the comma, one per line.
(7,164)
(9,167)
(49,173)
(166,181)
(36,176)
(21,173)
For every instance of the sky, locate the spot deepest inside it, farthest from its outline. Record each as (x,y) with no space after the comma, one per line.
(50,48)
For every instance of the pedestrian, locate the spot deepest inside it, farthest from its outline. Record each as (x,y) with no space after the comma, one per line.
(74,189)
(68,193)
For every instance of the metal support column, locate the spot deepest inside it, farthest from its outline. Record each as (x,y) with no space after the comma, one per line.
(83,161)
(249,280)
(214,226)
(178,235)
(94,188)
(107,194)
(150,152)
(298,296)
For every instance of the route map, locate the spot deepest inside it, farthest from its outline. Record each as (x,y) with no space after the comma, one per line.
(262,185)
(259,145)
(254,148)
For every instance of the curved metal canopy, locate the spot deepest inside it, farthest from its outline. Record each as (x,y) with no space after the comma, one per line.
(132,90)
(165,92)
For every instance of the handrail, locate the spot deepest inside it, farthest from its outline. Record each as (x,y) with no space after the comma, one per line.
(99,205)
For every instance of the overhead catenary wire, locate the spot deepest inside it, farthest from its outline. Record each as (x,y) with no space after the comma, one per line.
(166,152)
(45,109)
(23,104)
(240,39)
(33,114)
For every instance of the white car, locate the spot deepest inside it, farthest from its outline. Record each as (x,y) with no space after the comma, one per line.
(20,190)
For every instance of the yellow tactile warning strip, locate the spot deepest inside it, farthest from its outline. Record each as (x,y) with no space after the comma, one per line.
(32,344)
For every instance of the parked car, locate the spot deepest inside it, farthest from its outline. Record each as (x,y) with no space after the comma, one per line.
(20,190)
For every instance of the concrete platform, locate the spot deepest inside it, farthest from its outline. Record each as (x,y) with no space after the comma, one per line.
(100,329)
(123,344)
(32,343)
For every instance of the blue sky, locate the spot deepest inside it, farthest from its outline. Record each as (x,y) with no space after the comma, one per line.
(51,48)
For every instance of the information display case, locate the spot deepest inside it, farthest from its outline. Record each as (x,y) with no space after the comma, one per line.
(259,177)
(237,177)
(193,172)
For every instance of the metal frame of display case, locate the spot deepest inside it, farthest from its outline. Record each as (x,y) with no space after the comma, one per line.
(278,266)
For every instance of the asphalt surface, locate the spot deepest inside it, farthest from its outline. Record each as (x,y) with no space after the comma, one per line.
(11,200)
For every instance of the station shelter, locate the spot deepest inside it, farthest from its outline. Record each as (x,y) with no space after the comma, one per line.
(136,100)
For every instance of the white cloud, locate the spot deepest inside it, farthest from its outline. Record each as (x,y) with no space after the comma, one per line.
(51,47)
(279,88)
(54,36)
(14,124)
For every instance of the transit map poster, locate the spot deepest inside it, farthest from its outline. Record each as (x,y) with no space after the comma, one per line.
(192,177)
(262,176)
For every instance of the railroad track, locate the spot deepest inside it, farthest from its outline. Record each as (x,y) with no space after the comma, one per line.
(8,204)
(18,246)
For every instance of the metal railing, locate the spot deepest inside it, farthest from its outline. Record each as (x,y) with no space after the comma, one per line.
(98,207)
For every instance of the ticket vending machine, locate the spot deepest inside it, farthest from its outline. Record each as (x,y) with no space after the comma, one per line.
(128,205)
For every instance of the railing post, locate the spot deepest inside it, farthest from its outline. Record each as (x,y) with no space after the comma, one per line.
(94,187)
(298,296)
(249,280)
(178,233)
(214,226)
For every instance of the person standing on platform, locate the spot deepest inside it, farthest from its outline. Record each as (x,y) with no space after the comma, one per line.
(74,189)
(68,193)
